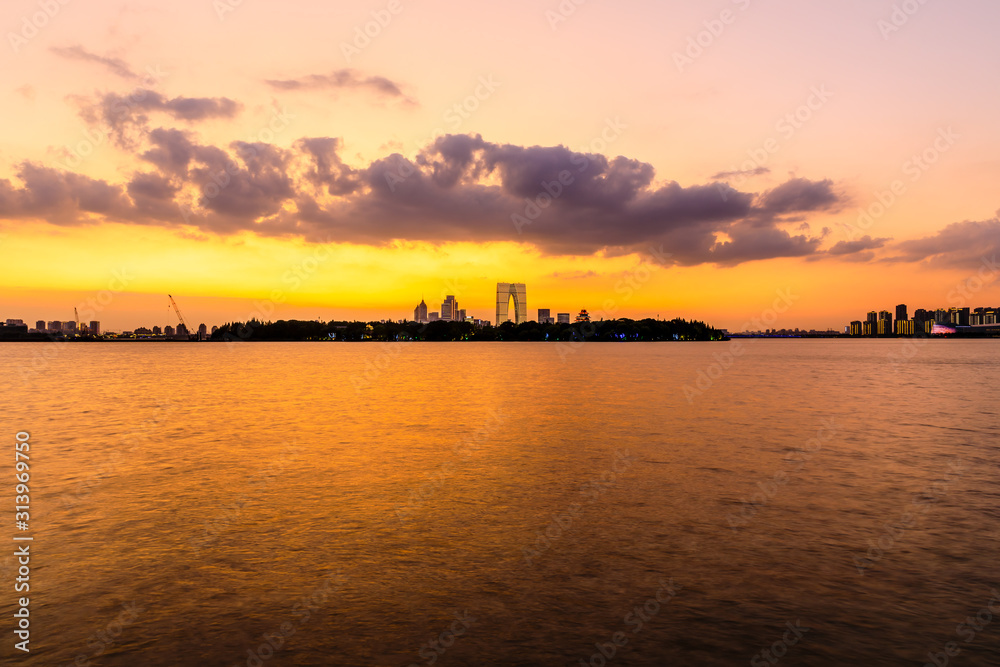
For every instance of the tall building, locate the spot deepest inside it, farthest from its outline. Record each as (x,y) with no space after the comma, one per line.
(872,317)
(55,326)
(461,315)
(95,328)
(168,331)
(856,328)
(506,292)
(157,331)
(544,316)
(449,309)
(202,331)
(959,316)
(40,325)
(433,317)
(69,327)
(562,318)
(420,312)
(901,312)
(884,323)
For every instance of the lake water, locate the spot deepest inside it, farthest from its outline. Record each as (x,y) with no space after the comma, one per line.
(830,502)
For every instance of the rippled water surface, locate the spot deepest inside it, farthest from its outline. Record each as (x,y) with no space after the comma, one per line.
(506,504)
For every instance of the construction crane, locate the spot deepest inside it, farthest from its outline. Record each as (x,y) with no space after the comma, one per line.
(179,316)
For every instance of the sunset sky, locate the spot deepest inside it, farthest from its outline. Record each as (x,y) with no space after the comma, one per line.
(712,154)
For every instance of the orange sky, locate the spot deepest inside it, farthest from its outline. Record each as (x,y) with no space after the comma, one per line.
(611,79)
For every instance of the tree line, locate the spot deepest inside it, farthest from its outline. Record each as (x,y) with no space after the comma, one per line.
(620,330)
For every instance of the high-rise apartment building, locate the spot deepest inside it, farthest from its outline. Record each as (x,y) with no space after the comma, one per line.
(884,323)
(449,309)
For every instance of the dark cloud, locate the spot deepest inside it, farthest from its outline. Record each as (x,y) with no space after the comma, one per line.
(327,168)
(171,151)
(960,245)
(60,197)
(249,185)
(747,173)
(126,117)
(751,242)
(858,245)
(464,188)
(116,66)
(344,79)
(153,197)
(460,188)
(799,195)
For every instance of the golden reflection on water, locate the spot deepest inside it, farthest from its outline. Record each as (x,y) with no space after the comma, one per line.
(543,490)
